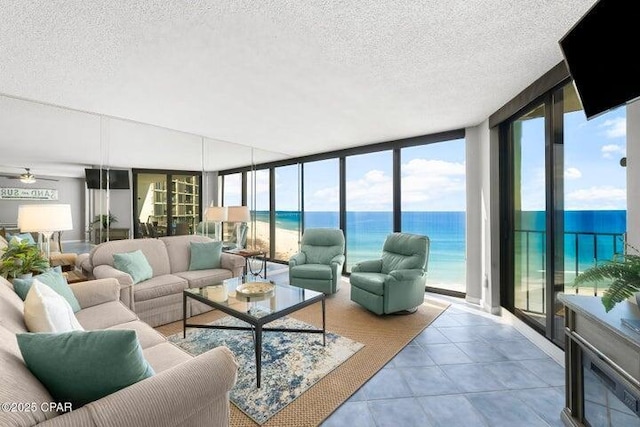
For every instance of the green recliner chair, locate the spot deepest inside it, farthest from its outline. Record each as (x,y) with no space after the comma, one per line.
(318,265)
(396,281)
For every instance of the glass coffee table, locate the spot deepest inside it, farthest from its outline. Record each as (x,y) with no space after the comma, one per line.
(262,303)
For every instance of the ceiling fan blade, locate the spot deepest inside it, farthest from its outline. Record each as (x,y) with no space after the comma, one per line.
(46,179)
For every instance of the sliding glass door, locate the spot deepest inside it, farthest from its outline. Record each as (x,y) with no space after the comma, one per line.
(166,203)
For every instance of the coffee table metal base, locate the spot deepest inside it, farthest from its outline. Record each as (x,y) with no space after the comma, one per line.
(256,328)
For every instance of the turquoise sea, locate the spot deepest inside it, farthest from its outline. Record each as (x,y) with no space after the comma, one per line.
(595,234)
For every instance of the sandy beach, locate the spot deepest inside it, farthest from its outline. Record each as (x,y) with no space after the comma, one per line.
(286,240)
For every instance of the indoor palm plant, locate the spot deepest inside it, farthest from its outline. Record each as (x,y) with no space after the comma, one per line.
(22,258)
(623,271)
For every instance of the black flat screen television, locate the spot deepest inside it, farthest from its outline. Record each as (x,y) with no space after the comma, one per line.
(118,179)
(601,52)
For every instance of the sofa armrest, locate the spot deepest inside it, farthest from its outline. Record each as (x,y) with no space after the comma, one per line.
(96,292)
(106,271)
(297,259)
(337,260)
(369,266)
(233,263)
(169,398)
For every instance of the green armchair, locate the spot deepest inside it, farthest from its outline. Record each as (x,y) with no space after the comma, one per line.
(396,281)
(318,265)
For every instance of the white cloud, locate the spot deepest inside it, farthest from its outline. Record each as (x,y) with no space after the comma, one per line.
(572,173)
(597,198)
(433,185)
(610,149)
(615,128)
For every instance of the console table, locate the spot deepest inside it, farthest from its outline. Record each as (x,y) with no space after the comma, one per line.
(114,234)
(602,363)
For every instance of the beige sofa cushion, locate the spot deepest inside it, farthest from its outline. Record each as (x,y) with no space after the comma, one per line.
(159,286)
(105,315)
(147,336)
(11,308)
(19,384)
(199,278)
(179,249)
(153,249)
(164,356)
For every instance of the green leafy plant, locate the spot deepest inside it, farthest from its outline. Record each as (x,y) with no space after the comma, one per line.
(105,220)
(22,258)
(623,271)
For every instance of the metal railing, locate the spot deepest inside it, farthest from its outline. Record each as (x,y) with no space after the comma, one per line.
(588,247)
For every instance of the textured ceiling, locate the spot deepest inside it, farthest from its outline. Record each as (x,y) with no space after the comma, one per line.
(291,77)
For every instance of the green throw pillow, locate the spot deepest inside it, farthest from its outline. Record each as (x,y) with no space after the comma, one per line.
(83,366)
(19,237)
(205,255)
(52,278)
(134,263)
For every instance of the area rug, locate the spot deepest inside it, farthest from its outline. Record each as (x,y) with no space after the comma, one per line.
(291,362)
(383,337)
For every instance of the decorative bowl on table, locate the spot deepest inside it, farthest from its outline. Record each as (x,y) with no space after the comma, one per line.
(255,289)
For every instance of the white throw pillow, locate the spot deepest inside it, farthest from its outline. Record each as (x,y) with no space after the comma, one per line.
(46,311)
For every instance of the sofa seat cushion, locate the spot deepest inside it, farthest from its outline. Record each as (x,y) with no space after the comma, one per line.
(164,356)
(147,336)
(312,271)
(199,278)
(370,282)
(160,286)
(105,315)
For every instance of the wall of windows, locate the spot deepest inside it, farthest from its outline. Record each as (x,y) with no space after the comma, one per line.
(288,217)
(369,205)
(433,201)
(321,193)
(356,190)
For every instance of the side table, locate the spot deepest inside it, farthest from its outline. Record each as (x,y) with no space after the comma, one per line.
(249,255)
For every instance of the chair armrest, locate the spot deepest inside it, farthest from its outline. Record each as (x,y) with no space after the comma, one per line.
(297,259)
(233,263)
(407,274)
(369,266)
(106,271)
(170,397)
(338,260)
(96,292)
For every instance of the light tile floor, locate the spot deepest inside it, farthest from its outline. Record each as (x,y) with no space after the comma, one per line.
(465,369)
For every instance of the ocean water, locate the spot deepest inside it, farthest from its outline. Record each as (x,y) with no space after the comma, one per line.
(590,236)
(366,232)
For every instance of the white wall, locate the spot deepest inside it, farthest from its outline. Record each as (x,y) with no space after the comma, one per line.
(70,191)
(633,174)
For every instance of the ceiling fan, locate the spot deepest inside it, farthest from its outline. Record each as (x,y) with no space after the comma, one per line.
(27,177)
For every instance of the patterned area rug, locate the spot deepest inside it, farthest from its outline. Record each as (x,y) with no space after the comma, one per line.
(291,362)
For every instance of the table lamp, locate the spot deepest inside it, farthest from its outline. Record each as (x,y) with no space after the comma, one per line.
(45,219)
(216,214)
(238,215)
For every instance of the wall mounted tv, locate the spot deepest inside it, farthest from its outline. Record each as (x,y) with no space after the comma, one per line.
(601,52)
(118,179)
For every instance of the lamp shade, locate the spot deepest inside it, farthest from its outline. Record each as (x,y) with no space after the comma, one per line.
(239,214)
(216,213)
(44,218)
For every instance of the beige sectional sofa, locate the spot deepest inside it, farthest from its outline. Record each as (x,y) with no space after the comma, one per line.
(185,390)
(159,300)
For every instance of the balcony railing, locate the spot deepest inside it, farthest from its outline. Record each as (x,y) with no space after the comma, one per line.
(583,249)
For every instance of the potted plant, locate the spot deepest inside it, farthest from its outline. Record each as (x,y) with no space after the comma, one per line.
(105,220)
(624,272)
(22,258)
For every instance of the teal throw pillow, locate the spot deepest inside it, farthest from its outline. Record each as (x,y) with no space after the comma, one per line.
(19,237)
(205,255)
(134,263)
(52,278)
(83,366)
